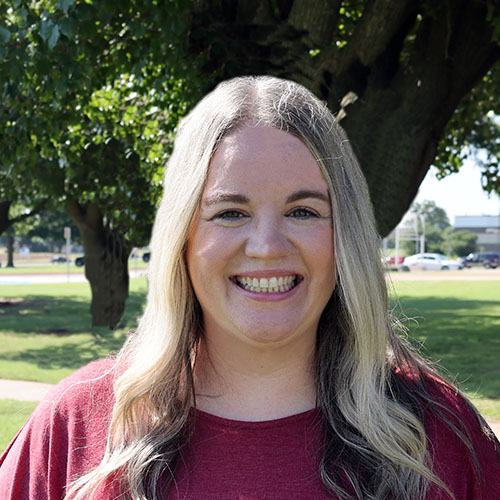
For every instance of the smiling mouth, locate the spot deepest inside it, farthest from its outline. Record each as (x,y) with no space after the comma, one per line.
(272,284)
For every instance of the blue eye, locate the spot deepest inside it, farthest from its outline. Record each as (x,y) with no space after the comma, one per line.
(302,213)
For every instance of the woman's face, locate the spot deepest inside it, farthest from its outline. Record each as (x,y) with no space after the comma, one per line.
(260,252)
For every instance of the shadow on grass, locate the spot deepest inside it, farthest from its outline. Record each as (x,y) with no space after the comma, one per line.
(55,332)
(462,335)
(60,315)
(69,355)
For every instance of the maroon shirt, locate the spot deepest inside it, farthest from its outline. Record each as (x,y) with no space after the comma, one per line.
(225,460)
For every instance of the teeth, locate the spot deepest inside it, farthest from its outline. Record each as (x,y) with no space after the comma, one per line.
(267,285)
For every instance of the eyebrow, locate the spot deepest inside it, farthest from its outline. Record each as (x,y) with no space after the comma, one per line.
(242,199)
(225,198)
(307,193)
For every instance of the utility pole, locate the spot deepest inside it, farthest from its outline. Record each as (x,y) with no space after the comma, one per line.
(422,236)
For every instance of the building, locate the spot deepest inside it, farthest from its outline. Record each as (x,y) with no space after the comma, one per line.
(487,228)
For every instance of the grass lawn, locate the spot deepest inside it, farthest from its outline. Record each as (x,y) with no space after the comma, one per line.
(45,334)
(45,329)
(13,414)
(458,325)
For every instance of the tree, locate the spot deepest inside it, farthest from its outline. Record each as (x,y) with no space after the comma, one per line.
(440,237)
(460,243)
(10,214)
(433,214)
(92,125)
(394,71)
(47,230)
(429,220)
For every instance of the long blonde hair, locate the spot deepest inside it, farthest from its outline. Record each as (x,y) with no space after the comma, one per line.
(356,348)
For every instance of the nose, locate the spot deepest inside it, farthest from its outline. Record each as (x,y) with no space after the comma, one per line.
(267,240)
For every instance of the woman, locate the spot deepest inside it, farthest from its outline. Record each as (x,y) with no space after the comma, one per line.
(265,364)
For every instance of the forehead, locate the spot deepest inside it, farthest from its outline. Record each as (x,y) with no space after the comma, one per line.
(262,157)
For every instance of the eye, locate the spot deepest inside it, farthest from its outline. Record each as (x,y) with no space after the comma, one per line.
(229,215)
(302,213)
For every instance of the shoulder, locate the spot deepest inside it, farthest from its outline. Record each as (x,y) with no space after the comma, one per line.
(66,435)
(463,450)
(86,387)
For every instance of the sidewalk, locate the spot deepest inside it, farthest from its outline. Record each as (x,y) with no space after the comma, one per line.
(36,279)
(35,391)
(23,390)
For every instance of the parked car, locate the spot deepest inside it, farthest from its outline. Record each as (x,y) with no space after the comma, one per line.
(80,261)
(392,260)
(430,261)
(58,259)
(489,260)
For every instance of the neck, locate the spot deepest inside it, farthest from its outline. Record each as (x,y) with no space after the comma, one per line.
(254,383)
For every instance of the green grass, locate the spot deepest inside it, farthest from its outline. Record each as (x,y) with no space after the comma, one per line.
(39,269)
(46,333)
(458,325)
(13,414)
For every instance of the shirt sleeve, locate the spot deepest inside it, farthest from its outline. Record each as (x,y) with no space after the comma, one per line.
(64,438)
(468,477)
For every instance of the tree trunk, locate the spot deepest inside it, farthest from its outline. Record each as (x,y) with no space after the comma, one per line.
(407,64)
(5,222)
(10,249)
(106,264)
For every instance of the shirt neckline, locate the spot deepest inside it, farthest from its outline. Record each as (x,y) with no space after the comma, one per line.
(308,415)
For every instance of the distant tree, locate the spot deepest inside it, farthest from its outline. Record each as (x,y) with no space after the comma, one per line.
(428,219)
(434,215)
(47,227)
(459,243)
(12,215)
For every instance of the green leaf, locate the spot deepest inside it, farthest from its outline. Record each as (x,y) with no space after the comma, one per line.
(46,29)
(54,36)
(23,14)
(68,26)
(4,35)
(60,87)
(64,5)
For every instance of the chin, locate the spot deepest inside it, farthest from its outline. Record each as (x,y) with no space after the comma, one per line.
(267,335)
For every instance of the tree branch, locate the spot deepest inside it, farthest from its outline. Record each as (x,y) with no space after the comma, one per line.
(6,221)
(318,19)
(380,23)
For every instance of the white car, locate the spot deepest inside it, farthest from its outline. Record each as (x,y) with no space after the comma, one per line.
(431,262)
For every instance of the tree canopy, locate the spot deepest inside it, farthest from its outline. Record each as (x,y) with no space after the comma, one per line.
(413,81)
(92,92)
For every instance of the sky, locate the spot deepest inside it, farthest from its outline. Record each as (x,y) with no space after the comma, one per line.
(460,193)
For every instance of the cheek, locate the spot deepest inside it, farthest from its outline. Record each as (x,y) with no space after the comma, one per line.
(322,254)
(318,245)
(206,251)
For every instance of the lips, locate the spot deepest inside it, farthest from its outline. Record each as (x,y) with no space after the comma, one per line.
(267,284)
